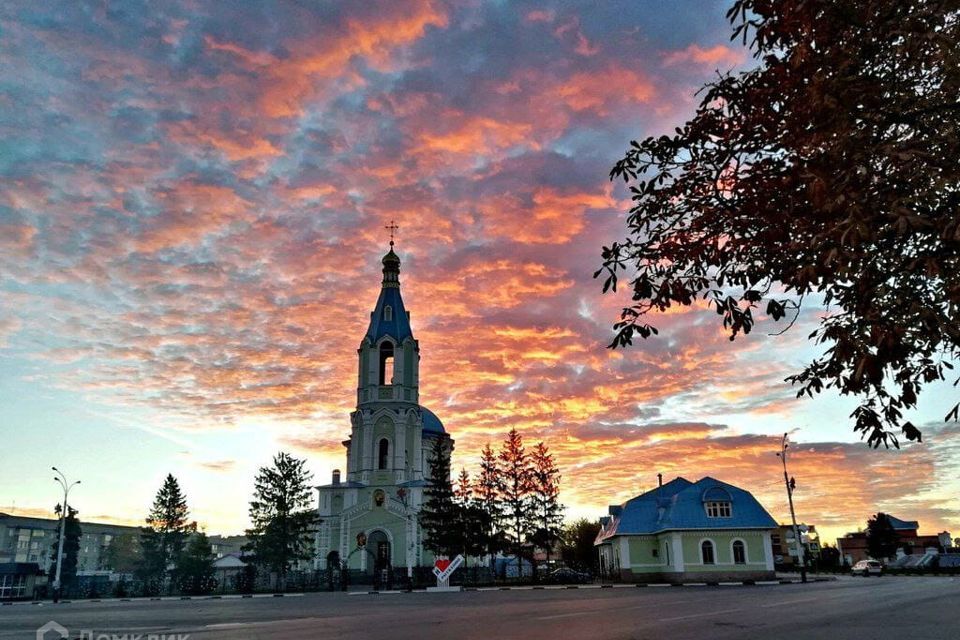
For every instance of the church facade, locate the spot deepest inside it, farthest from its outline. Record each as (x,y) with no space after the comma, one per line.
(368,517)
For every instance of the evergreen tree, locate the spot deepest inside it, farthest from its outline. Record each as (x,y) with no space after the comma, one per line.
(487,491)
(475,522)
(516,487)
(165,535)
(881,537)
(195,566)
(282,516)
(547,510)
(440,515)
(71,549)
(464,489)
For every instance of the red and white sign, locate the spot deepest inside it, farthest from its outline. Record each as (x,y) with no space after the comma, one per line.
(443,568)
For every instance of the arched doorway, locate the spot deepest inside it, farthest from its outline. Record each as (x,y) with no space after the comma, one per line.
(379,545)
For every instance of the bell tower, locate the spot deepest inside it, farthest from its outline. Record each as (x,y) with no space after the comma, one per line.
(389,354)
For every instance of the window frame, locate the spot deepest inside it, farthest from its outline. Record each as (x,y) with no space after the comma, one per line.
(733,551)
(718,508)
(713,552)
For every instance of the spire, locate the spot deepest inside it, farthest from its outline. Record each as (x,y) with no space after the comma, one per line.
(390,317)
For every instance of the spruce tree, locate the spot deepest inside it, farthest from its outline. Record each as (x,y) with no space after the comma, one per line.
(516,488)
(475,523)
(487,492)
(165,535)
(282,515)
(440,515)
(195,568)
(548,511)
(464,489)
(71,549)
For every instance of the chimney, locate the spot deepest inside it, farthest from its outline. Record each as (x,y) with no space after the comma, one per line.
(336,476)
(659,480)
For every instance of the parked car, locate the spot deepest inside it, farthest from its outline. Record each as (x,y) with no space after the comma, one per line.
(569,576)
(867,568)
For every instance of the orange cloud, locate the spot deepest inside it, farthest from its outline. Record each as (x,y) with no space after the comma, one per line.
(714,56)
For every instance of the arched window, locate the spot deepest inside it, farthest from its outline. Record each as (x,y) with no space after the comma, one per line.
(388,313)
(706,552)
(383,455)
(739,552)
(386,363)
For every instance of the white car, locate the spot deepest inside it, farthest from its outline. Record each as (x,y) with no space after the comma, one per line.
(866,568)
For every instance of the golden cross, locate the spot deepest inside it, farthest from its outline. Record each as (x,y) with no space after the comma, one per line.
(392,227)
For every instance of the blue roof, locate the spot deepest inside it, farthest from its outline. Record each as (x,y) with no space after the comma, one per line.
(679,504)
(431,423)
(398,324)
(903,525)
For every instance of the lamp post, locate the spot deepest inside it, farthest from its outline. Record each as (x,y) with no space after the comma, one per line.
(790,483)
(62,481)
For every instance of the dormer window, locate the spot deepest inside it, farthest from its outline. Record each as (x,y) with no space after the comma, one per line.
(717,502)
(388,313)
(719,509)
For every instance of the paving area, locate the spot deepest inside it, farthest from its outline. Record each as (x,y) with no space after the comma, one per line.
(869,608)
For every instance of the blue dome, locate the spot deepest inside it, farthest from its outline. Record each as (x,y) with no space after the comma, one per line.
(431,423)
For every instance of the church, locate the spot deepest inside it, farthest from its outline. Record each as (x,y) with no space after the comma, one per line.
(368,519)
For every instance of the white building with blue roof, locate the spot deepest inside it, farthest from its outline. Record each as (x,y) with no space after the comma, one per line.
(369,517)
(682,531)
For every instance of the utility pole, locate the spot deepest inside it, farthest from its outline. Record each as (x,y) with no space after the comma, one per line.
(62,480)
(790,484)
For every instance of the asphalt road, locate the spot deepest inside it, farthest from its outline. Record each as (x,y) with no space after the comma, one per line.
(899,608)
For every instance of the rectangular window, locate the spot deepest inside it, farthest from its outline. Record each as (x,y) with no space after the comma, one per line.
(719,510)
(12,586)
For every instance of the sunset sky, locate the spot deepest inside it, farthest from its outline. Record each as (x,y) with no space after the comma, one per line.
(192,203)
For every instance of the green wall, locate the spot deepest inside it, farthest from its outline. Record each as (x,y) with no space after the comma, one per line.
(723,558)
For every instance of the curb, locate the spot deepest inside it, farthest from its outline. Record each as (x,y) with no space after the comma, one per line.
(562,587)
(156,599)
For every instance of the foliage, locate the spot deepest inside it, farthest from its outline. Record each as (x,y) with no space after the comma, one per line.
(124,553)
(487,499)
(195,571)
(881,537)
(830,170)
(165,535)
(577,548)
(282,515)
(440,515)
(516,486)
(71,549)
(545,498)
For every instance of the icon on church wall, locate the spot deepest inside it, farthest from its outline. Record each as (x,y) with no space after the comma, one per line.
(361,540)
(379,497)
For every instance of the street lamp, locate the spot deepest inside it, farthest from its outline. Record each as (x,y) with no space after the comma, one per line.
(791,483)
(62,481)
